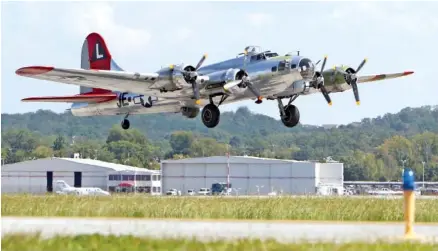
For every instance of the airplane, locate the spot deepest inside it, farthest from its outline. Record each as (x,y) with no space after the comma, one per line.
(64,188)
(107,89)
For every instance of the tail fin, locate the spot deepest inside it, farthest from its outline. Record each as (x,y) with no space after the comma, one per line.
(96,56)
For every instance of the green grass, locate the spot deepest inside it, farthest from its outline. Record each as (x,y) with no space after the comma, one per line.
(300,208)
(117,243)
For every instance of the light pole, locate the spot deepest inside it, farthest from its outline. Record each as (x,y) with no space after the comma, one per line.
(423,172)
(403,161)
(258,189)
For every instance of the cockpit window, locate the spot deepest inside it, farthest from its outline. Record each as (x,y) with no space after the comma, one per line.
(258,57)
(271,54)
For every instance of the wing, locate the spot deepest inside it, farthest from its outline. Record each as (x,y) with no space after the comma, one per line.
(372,78)
(121,81)
(81,98)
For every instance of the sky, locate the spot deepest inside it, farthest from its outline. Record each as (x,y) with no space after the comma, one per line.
(143,36)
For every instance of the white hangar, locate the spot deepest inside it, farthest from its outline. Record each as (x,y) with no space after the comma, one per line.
(38,176)
(251,175)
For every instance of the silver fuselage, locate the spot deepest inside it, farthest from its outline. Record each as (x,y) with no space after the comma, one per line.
(268,74)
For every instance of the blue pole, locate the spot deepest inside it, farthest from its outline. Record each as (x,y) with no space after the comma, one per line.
(409,200)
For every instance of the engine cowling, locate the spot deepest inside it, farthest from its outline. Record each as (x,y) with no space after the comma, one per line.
(174,74)
(225,76)
(190,112)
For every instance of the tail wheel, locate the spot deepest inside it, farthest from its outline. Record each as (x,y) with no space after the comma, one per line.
(125,124)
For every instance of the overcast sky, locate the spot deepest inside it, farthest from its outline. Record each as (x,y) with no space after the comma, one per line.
(143,36)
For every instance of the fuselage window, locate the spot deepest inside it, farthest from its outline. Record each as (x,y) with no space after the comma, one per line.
(281,66)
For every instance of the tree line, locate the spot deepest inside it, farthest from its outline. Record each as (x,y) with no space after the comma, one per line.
(373,149)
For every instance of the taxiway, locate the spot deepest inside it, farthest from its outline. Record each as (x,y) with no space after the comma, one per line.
(283,231)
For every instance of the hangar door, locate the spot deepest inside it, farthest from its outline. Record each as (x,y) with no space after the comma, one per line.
(49,180)
(78,179)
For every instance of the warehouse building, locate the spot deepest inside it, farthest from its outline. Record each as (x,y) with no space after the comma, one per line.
(38,176)
(252,175)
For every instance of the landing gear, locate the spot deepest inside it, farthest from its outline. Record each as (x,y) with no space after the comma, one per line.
(289,114)
(210,115)
(292,116)
(125,122)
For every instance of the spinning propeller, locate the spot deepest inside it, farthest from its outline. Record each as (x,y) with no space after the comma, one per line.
(190,76)
(245,82)
(351,79)
(319,81)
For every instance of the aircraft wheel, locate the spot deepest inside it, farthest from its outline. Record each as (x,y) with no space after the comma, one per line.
(292,116)
(210,115)
(125,124)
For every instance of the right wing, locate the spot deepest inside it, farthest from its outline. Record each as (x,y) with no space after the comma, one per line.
(121,81)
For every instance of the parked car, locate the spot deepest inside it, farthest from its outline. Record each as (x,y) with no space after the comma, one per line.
(172,191)
(204,191)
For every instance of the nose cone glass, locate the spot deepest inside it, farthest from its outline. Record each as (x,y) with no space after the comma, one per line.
(307,68)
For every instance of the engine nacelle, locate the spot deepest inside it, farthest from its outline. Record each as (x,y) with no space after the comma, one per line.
(300,87)
(225,76)
(173,74)
(189,112)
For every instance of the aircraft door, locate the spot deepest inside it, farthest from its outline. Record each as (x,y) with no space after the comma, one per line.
(78,179)
(49,178)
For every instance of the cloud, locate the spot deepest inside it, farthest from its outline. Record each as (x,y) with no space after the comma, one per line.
(259,19)
(100,17)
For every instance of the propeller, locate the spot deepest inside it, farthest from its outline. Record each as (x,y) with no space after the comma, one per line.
(245,82)
(191,75)
(319,81)
(351,79)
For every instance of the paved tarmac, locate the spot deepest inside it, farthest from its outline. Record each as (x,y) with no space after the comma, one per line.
(283,231)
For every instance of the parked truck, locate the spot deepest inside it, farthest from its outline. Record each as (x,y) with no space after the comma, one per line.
(220,188)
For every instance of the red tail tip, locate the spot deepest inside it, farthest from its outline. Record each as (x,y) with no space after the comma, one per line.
(33,70)
(408,73)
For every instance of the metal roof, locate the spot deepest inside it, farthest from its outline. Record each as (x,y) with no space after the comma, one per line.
(233,159)
(113,166)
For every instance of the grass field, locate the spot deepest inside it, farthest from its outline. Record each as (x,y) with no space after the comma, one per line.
(116,243)
(338,209)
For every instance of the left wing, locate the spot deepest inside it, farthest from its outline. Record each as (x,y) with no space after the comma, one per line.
(372,78)
(80,98)
(122,81)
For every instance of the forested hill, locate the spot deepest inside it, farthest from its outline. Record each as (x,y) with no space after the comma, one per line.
(242,123)
(370,149)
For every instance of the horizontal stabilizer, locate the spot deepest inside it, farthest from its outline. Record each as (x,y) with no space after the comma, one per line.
(81,98)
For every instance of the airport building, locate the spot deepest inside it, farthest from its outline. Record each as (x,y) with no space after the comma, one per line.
(252,175)
(38,176)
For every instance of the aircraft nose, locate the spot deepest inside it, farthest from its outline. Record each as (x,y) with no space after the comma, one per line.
(306,68)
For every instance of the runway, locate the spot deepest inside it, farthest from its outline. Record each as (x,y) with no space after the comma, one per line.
(283,231)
